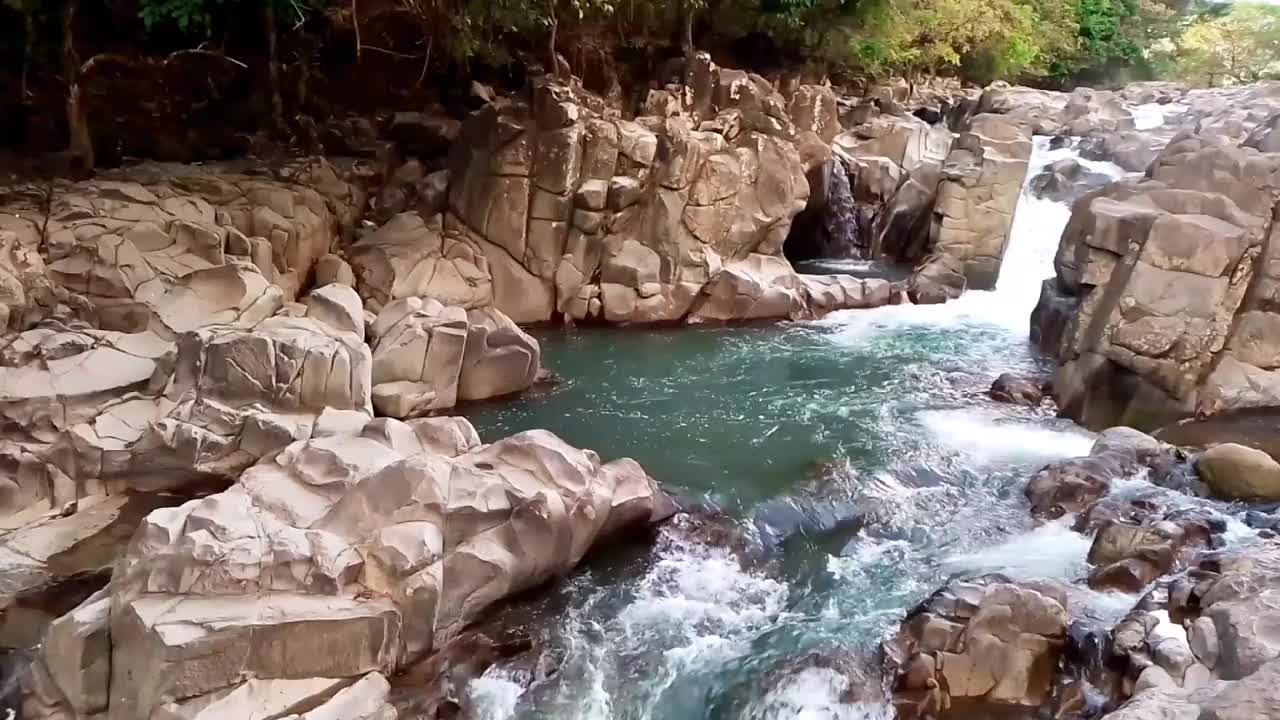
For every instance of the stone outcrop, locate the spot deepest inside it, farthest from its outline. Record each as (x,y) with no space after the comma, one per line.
(116,248)
(981,182)
(974,646)
(558,208)
(1204,645)
(1163,292)
(335,559)
(427,356)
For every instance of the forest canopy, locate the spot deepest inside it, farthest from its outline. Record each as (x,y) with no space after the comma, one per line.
(1049,41)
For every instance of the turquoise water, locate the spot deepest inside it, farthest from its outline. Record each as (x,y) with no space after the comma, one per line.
(894,399)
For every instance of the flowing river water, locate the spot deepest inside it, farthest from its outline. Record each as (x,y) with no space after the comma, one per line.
(927,484)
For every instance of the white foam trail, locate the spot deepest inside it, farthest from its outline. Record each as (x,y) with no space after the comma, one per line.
(1153,115)
(493,696)
(1052,551)
(702,587)
(815,694)
(985,438)
(694,608)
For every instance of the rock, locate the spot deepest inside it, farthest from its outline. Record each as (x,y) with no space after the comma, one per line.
(331,269)
(1203,638)
(1162,322)
(1154,678)
(1009,388)
(365,700)
(499,358)
(1127,440)
(1071,486)
(1066,181)
(556,207)
(1237,472)
(342,542)
(939,279)
(988,162)
(339,307)
(995,645)
(72,671)
(427,356)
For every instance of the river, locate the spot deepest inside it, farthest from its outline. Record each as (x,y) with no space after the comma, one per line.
(928,479)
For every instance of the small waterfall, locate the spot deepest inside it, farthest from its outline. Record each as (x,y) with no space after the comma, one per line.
(842,216)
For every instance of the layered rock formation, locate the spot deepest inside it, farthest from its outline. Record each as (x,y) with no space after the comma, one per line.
(335,558)
(981,646)
(1162,301)
(556,207)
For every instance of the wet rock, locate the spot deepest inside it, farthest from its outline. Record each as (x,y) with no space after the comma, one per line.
(1073,485)
(1010,388)
(1143,447)
(1066,181)
(1237,472)
(939,279)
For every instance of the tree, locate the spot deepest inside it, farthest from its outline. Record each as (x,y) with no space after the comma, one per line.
(1240,47)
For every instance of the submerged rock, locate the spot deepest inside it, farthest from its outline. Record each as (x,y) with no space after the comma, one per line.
(1009,388)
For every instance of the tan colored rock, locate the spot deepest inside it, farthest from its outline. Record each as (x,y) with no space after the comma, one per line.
(327,561)
(499,358)
(337,306)
(332,269)
(1237,472)
(995,645)
(417,356)
(410,257)
(981,182)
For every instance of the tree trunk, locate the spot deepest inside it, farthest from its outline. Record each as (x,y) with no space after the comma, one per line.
(28,49)
(553,67)
(79,139)
(686,40)
(276,120)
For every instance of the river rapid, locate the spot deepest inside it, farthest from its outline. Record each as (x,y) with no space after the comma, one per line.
(861,449)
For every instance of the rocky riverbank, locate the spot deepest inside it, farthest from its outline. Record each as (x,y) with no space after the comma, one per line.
(225,484)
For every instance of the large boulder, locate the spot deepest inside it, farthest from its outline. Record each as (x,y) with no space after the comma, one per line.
(1171,284)
(978,646)
(329,561)
(1236,472)
(981,182)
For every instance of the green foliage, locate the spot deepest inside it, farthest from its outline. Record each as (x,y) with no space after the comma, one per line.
(197,16)
(979,39)
(1241,46)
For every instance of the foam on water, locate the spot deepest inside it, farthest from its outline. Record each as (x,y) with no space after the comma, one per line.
(815,694)
(984,437)
(494,695)
(1153,115)
(1053,551)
